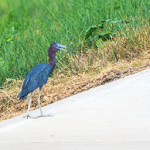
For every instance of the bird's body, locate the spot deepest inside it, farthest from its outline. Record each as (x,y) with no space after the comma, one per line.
(39,74)
(35,78)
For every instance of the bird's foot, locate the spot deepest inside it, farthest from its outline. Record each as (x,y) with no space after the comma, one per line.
(28,116)
(35,117)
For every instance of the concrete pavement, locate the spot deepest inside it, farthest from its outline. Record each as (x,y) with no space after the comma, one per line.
(115,116)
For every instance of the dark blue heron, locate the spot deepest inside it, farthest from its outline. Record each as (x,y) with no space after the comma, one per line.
(38,75)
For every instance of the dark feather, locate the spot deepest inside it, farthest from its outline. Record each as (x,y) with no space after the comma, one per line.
(35,78)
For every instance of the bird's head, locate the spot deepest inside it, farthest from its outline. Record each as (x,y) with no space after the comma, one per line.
(56,47)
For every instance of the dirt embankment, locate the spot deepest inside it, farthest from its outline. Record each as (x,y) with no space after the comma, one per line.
(56,90)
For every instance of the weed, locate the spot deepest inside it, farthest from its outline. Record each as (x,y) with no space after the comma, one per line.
(28,27)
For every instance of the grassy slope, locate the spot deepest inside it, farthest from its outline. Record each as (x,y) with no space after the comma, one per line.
(92,71)
(28,27)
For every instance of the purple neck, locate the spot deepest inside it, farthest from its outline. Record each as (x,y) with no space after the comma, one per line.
(52,59)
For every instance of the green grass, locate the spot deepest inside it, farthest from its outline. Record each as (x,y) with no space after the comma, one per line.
(28,27)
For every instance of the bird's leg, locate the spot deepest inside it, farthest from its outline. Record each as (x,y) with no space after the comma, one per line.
(29,106)
(39,101)
(42,115)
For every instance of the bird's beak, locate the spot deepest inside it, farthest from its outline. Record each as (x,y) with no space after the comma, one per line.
(61,47)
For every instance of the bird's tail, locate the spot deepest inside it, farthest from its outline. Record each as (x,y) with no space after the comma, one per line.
(23,97)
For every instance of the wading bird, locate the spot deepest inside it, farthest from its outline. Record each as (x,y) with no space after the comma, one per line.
(38,76)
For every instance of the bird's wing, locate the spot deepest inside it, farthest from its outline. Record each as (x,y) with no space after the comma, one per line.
(36,77)
(42,78)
